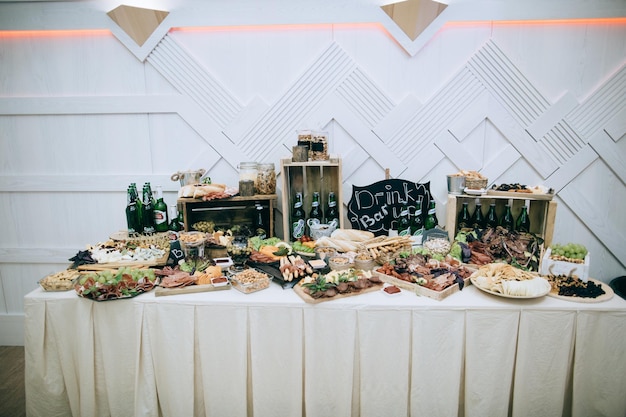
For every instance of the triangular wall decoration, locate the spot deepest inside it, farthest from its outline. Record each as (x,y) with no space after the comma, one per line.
(413,16)
(138,23)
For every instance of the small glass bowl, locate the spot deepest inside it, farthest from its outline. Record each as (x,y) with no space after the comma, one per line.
(339,262)
(325,252)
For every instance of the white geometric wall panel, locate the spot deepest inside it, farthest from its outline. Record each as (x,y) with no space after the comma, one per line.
(334,89)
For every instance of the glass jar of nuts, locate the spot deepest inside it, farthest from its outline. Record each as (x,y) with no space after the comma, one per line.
(265,179)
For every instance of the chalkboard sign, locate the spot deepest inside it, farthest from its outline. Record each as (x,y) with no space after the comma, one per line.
(176,253)
(374,207)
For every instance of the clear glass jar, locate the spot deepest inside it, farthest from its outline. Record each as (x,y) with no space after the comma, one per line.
(319,147)
(265,179)
(248,171)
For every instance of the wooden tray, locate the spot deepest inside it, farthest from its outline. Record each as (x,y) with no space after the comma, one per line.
(307,298)
(190,289)
(420,290)
(608,294)
(133,264)
(513,194)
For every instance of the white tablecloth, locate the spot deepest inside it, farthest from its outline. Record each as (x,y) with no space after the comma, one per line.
(270,354)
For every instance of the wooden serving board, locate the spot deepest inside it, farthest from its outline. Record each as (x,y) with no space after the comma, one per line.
(307,298)
(608,294)
(420,290)
(132,264)
(513,194)
(190,289)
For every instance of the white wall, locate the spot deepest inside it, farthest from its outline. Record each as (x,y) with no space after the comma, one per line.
(82,114)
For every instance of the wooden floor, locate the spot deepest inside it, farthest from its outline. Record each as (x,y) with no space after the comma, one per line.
(12,399)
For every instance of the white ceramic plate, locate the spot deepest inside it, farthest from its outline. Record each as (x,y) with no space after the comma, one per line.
(470,191)
(544,293)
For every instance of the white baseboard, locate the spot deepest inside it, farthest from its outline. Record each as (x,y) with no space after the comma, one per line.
(11,329)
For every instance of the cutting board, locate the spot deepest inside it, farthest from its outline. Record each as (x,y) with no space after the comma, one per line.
(190,289)
(307,298)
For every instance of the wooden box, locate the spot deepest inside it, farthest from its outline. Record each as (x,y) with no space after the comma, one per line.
(542,211)
(307,177)
(226,212)
(420,290)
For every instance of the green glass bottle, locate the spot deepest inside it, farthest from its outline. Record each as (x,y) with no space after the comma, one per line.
(260,229)
(147,216)
(507,220)
(297,218)
(139,204)
(417,222)
(404,221)
(132,217)
(315,215)
(332,213)
(492,217)
(160,212)
(478,220)
(464,218)
(522,224)
(175,224)
(431,217)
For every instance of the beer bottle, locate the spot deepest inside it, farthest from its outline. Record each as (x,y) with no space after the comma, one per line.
(507,220)
(260,229)
(139,208)
(332,213)
(174,225)
(492,217)
(316,210)
(181,220)
(297,218)
(132,218)
(160,212)
(522,224)
(463,220)
(417,222)
(431,217)
(148,212)
(404,222)
(478,220)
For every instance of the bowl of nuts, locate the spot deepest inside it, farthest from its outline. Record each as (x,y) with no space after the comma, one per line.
(339,262)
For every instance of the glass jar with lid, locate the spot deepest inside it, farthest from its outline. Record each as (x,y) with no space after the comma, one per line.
(265,179)
(248,171)
(247,178)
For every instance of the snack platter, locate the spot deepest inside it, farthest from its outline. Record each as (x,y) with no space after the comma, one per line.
(59,281)
(134,264)
(310,300)
(249,280)
(538,295)
(272,269)
(520,195)
(419,289)
(608,294)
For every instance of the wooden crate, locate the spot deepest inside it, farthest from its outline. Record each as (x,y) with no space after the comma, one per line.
(420,290)
(308,177)
(542,211)
(225,212)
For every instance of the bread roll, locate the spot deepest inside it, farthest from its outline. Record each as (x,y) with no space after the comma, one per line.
(352,235)
(200,190)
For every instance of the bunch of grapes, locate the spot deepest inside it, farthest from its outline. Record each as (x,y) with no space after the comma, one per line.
(574,251)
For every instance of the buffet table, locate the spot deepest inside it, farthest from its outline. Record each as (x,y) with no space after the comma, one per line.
(269,353)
